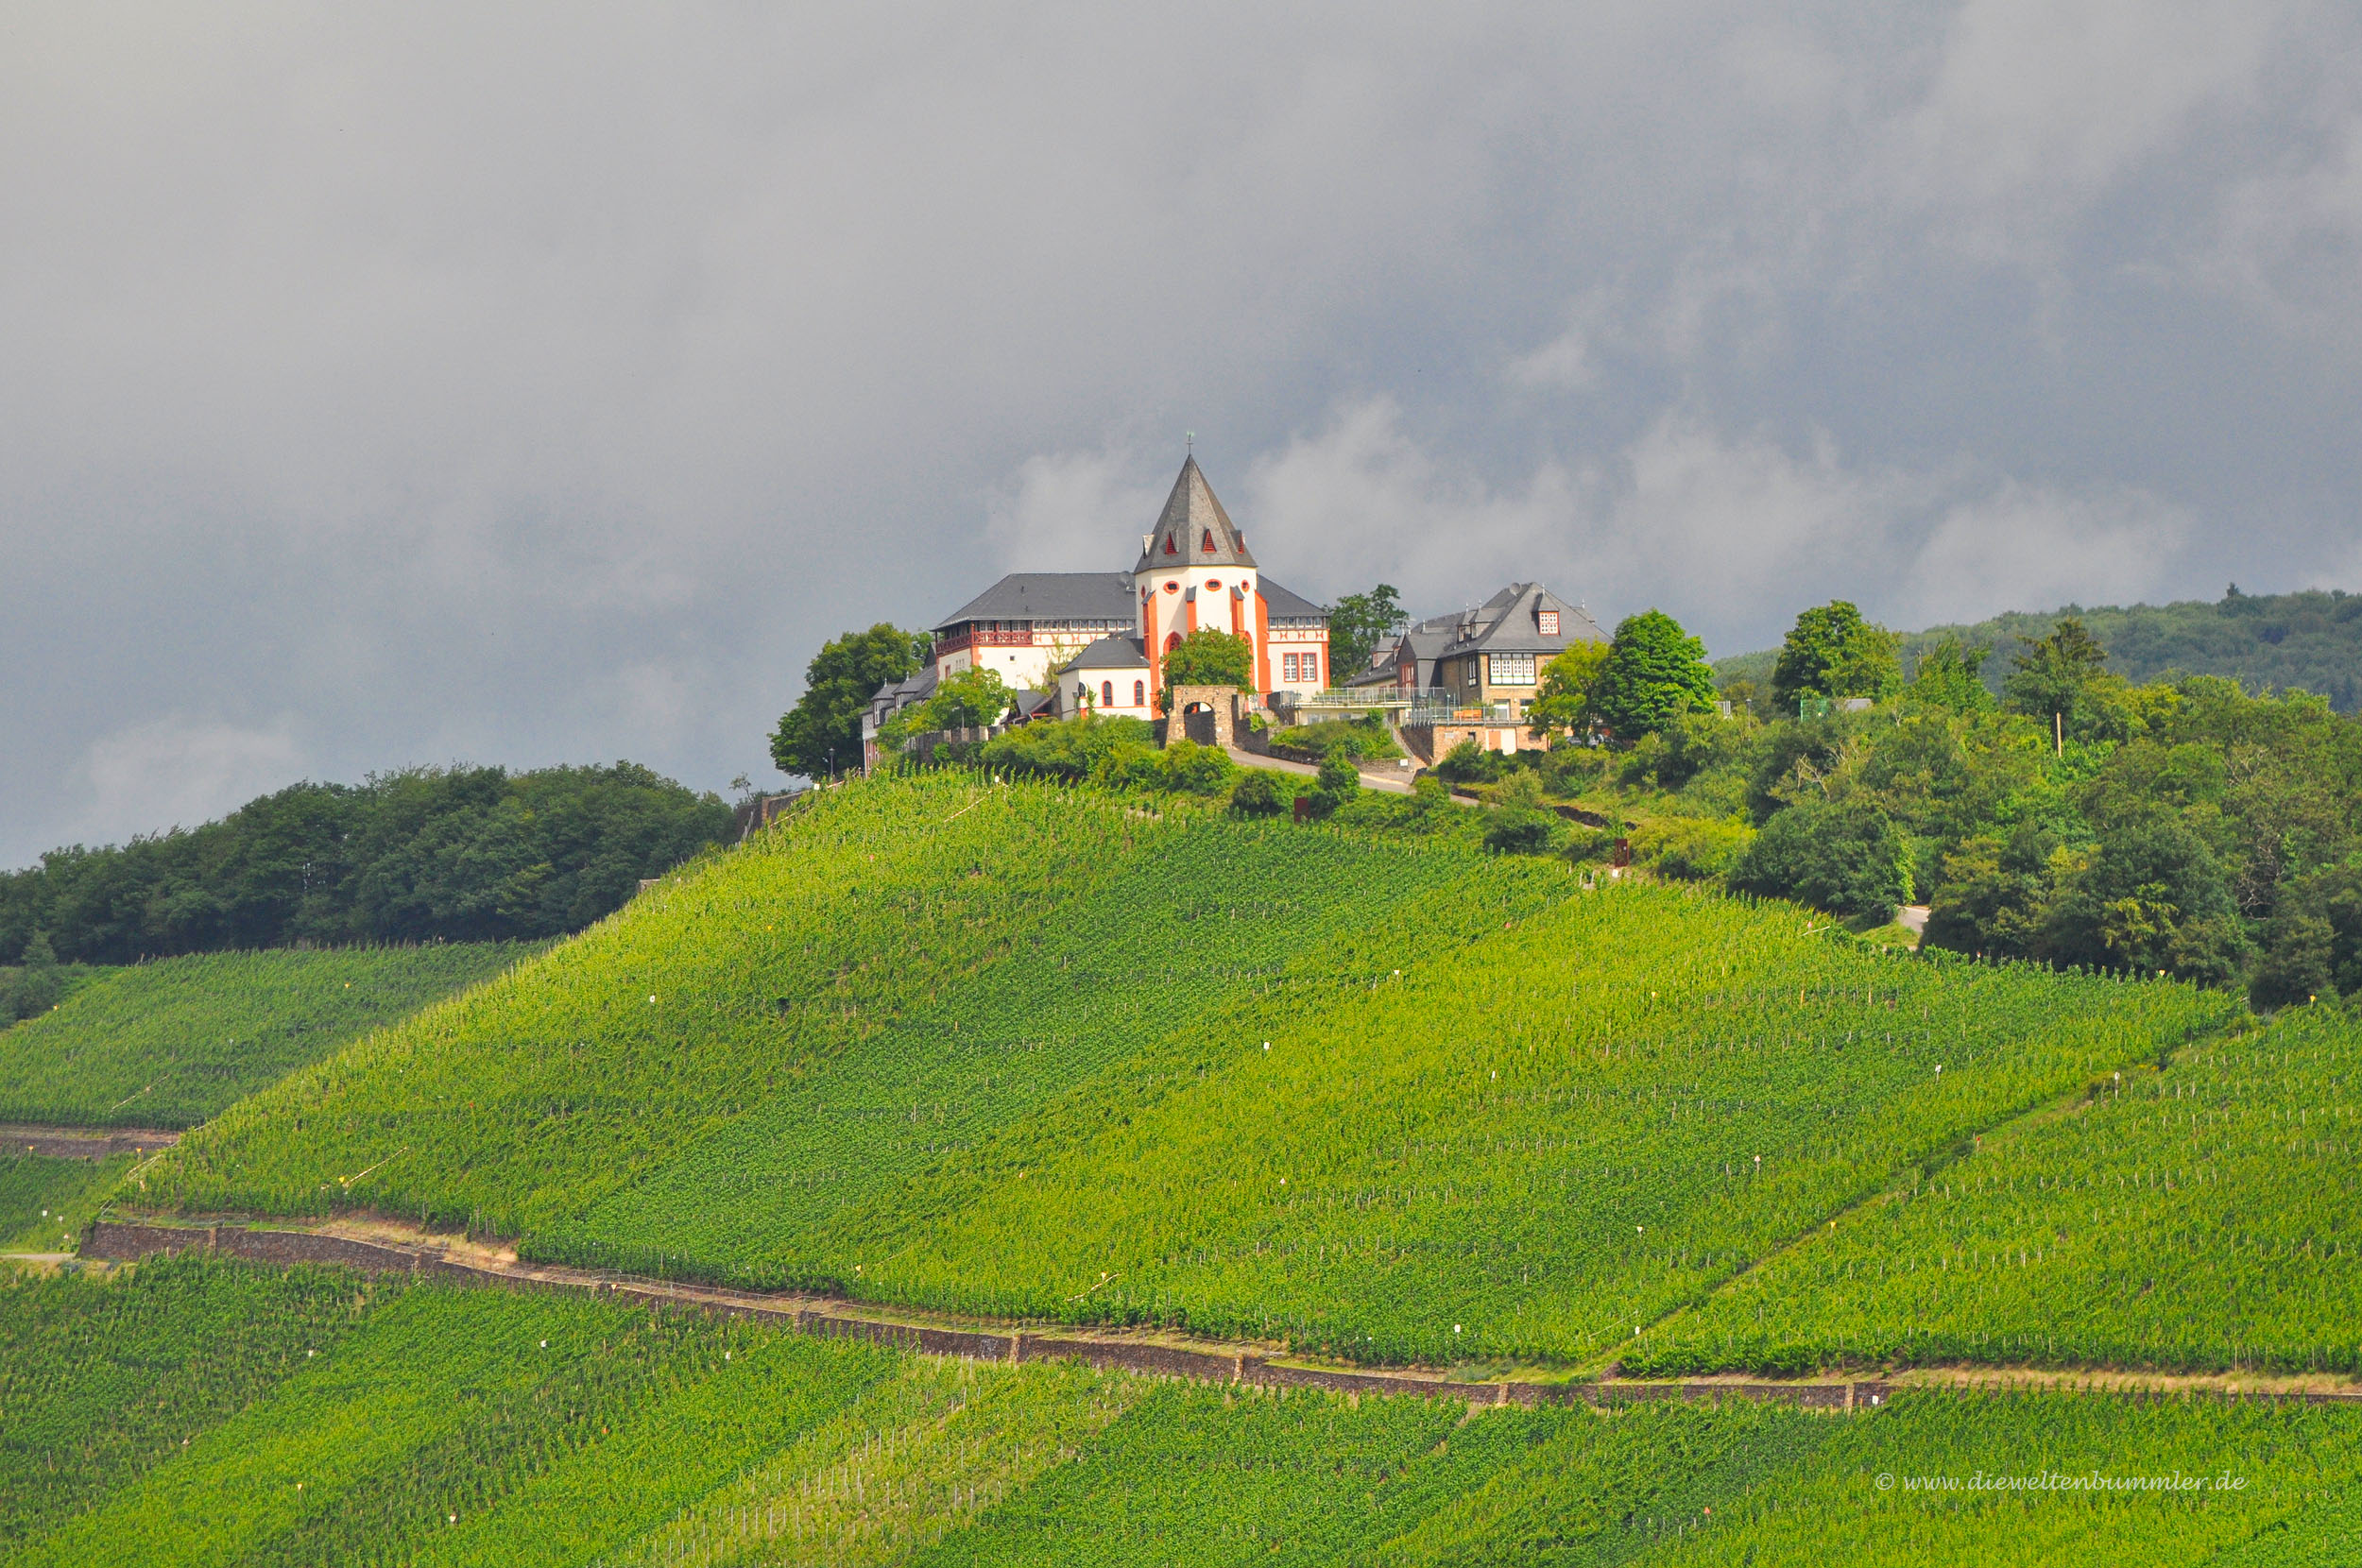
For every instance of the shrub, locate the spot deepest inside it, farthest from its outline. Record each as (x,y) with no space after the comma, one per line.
(1693,849)
(1468,763)
(1070,749)
(1846,857)
(1194,770)
(1518,826)
(1366,739)
(1257,794)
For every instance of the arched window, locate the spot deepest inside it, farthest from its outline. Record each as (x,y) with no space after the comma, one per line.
(1107,694)
(1172,641)
(1140,693)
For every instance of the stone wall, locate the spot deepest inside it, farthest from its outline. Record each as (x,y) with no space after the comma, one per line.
(119,1241)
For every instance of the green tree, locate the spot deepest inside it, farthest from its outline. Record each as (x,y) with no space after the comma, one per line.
(1208,658)
(1845,856)
(1653,674)
(1993,895)
(972,698)
(2050,676)
(1832,651)
(1951,676)
(35,988)
(1562,704)
(1359,624)
(1338,782)
(822,732)
(2150,896)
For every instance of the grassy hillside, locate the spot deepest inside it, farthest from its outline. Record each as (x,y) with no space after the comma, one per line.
(2199,1216)
(1028,1050)
(170,1043)
(452,1425)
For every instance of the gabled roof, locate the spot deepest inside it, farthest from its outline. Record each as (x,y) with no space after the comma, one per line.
(1191,522)
(1509,622)
(894,695)
(1108,652)
(1050,596)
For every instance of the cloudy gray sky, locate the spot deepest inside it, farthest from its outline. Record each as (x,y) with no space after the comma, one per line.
(510,383)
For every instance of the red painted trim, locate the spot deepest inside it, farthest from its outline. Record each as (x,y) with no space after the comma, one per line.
(1155,653)
(1262,640)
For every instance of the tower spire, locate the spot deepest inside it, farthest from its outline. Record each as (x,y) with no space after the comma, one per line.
(1193,530)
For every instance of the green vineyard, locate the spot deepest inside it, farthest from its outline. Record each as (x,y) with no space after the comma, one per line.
(948,1044)
(317,1419)
(171,1043)
(46,1203)
(2201,1217)
(1031,1051)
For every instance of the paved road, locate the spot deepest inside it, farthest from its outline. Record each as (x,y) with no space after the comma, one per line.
(1393,781)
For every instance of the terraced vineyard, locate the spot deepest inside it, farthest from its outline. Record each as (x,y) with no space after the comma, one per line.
(436,1424)
(2201,1216)
(171,1043)
(1208,933)
(1526,1148)
(101,1382)
(1026,1051)
(572,1077)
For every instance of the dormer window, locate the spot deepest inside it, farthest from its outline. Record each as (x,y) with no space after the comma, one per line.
(1208,546)
(1550,623)
(1171,549)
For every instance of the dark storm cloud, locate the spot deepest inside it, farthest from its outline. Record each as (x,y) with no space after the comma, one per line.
(535,385)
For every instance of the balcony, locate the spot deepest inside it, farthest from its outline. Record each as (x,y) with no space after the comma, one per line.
(1434,705)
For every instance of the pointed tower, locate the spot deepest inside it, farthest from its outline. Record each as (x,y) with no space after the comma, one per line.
(1193,531)
(1194,573)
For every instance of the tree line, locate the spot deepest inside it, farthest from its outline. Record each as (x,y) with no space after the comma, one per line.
(2181,825)
(459,854)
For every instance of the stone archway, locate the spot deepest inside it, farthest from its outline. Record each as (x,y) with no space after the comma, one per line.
(1210,715)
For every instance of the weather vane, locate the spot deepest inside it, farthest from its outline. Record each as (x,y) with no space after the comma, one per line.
(1189,442)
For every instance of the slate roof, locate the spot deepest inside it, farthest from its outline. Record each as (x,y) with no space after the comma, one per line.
(1425,640)
(1288,606)
(1509,624)
(1108,652)
(1192,517)
(1050,596)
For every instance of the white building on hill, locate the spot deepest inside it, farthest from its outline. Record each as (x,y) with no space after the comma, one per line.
(1097,640)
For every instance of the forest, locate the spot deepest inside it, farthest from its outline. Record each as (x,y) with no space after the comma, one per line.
(457,854)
